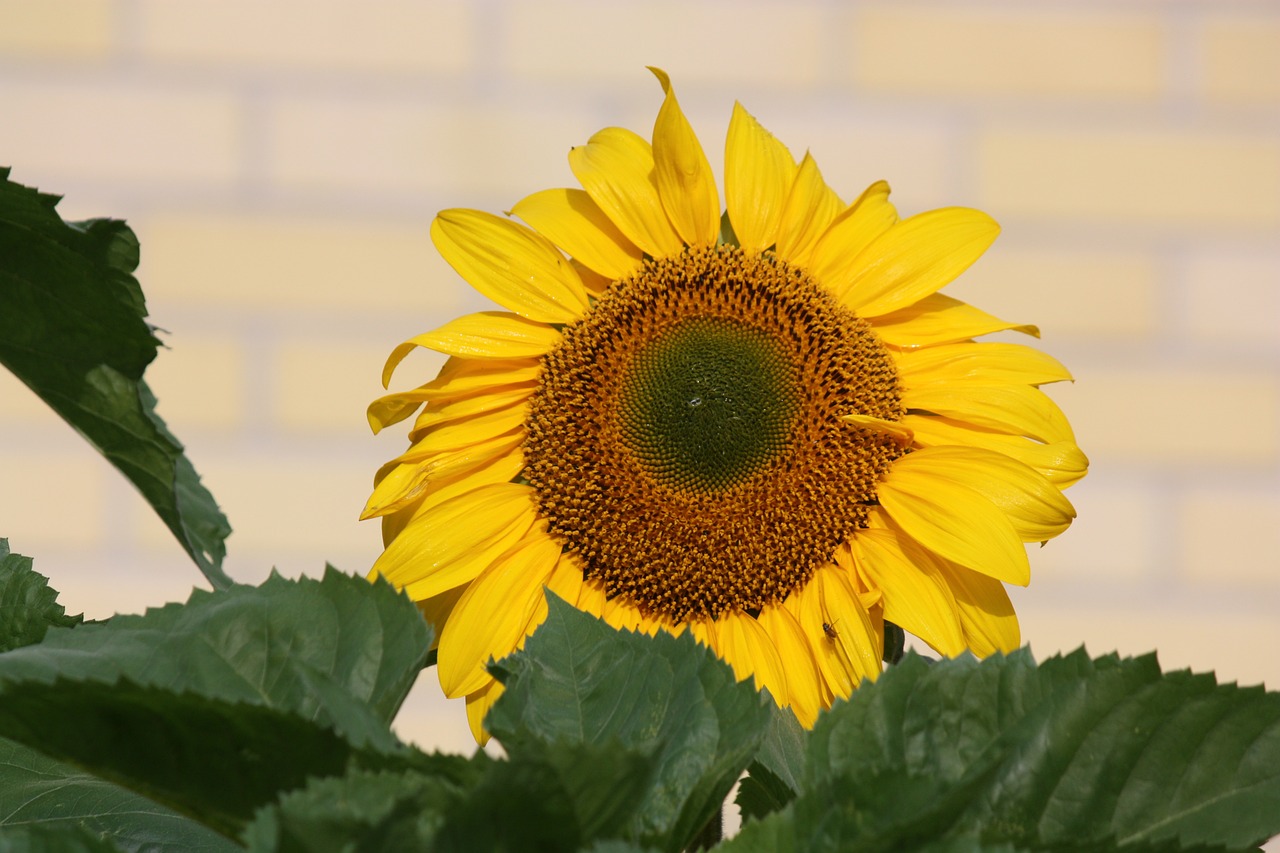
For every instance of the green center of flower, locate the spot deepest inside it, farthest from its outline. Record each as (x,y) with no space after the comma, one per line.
(686,443)
(707,403)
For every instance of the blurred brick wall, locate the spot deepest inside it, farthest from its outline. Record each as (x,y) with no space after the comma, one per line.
(281,163)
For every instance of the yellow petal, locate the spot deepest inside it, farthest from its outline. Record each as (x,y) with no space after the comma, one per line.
(939,319)
(467,375)
(916,595)
(591,598)
(487,334)
(1062,462)
(463,432)
(951,518)
(616,169)
(686,184)
(411,481)
(1013,409)
(810,207)
(747,647)
(436,609)
(979,362)
(478,705)
(845,644)
(575,223)
(833,263)
(804,683)
(894,429)
(917,257)
(440,411)
(513,265)
(490,619)
(986,614)
(1035,507)
(456,540)
(758,174)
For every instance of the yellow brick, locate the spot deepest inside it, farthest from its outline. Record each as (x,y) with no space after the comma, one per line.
(1172,417)
(1233,298)
(1114,538)
(112,133)
(294,265)
(1085,293)
(407,148)
(326,387)
(941,49)
(61,29)
(387,36)
(750,42)
(1196,178)
(1242,59)
(1238,646)
(199,382)
(1231,536)
(54,499)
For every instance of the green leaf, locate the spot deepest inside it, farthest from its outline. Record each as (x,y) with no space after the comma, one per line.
(72,328)
(340,651)
(47,839)
(549,797)
(28,606)
(776,773)
(362,810)
(40,797)
(1072,752)
(214,760)
(579,680)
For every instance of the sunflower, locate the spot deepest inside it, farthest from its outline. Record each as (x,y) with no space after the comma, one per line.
(763,426)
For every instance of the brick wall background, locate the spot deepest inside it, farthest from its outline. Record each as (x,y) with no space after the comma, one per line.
(281,163)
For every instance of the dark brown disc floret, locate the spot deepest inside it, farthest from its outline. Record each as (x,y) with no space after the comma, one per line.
(685,441)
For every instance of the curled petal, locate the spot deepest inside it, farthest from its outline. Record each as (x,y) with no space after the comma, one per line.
(575,223)
(758,174)
(616,169)
(686,184)
(511,264)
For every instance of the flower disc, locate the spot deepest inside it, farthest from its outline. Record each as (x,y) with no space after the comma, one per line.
(685,442)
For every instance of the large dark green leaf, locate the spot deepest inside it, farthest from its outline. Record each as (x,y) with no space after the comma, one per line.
(214,760)
(72,329)
(579,680)
(1072,752)
(340,651)
(28,606)
(40,797)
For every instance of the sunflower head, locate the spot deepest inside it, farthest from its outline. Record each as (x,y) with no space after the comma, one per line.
(762,424)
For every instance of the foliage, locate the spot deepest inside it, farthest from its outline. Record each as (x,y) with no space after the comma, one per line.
(260,718)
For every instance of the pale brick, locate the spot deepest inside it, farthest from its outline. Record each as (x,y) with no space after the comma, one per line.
(121,134)
(1173,418)
(1233,297)
(1114,538)
(1242,60)
(199,382)
(939,49)
(260,263)
(18,403)
(53,499)
(57,29)
(748,43)
(1214,180)
(386,36)
(431,721)
(914,157)
(1237,645)
(1078,292)
(326,387)
(409,148)
(289,510)
(1231,536)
